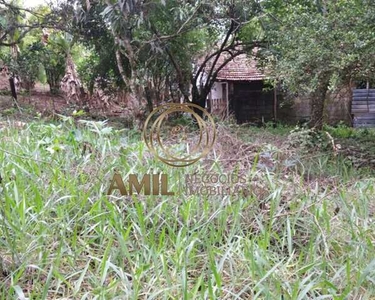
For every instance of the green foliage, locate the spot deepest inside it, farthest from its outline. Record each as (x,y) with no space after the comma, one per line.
(252,31)
(315,43)
(53,59)
(98,65)
(169,40)
(316,46)
(100,68)
(78,113)
(303,233)
(39,61)
(26,65)
(18,23)
(307,139)
(8,111)
(341,131)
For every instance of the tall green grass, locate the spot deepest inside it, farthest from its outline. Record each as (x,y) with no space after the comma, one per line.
(294,236)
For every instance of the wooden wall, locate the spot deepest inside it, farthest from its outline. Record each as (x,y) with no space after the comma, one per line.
(250,103)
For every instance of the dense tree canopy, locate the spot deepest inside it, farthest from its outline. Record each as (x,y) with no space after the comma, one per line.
(316,46)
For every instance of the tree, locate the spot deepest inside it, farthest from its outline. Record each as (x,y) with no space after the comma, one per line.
(26,65)
(54,61)
(316,46)
(101,66)
(15,23)
(179,32)
(16,19)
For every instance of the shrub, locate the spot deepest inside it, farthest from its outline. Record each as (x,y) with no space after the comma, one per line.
(308,139)
(341,131)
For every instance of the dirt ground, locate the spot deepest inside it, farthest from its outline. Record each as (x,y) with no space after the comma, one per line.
(42,101)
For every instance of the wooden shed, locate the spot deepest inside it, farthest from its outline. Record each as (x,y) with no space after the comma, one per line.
(240,90)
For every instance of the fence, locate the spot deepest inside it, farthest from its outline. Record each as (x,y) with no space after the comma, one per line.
(363,108)
(217,107)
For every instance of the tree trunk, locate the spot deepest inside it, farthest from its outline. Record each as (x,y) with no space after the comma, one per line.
(71,84)
(14,53)
(121,68)
(54,87)
(149,98)
(199,98)
(317,106)
(14,92)
(136,89)
(53,82)
(13,88)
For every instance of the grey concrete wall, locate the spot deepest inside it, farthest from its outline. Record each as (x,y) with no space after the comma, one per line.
(337,108)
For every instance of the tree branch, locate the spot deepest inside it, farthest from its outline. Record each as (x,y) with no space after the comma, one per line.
(229,33)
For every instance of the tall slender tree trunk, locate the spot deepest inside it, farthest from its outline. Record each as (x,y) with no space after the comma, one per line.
(317,106)
(121,68)
(200,100)
(136,89)
(14,53)
(196,99)
(14,92)
(13,88)
(53,81)
(71,84)
(199,97)
(149,98)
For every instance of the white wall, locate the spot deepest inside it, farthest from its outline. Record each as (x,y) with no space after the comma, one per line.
(216,91)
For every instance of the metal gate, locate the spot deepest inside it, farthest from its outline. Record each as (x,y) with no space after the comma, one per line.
(363,107)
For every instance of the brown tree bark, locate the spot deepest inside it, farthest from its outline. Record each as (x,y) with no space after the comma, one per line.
(71,84)
(53,81)
(149,98)
(199,98)
(121,68)
(317,106)
(13,88)
(136,90)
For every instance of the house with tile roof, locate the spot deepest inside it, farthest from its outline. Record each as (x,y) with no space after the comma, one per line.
(241,90)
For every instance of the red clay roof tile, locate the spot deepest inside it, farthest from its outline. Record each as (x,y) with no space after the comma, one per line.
(241,68)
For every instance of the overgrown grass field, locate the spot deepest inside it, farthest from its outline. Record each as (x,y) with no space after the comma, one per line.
(304,231)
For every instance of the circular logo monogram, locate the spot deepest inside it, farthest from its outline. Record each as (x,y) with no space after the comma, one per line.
(179,145)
